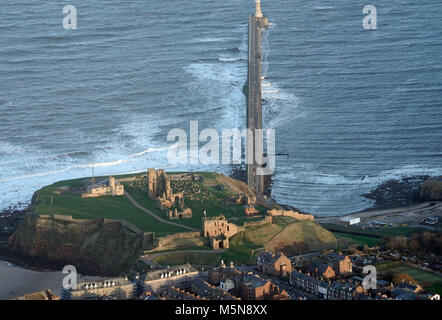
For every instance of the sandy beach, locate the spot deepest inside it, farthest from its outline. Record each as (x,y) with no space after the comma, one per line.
(16,281)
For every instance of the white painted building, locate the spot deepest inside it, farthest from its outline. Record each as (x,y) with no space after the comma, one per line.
(351,220)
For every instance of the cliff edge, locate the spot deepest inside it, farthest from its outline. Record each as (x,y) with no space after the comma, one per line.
(94,247)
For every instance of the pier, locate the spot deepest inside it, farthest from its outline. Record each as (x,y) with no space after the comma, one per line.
(254,100)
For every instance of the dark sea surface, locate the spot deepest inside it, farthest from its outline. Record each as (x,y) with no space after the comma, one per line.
(352,107)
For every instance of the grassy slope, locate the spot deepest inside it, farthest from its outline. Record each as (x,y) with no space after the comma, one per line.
(93,208)
(345,240)
(121,208)
(287,232)
(245,246)
(381,232)
(239,254)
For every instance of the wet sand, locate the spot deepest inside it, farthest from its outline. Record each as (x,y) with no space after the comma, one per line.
(16,281)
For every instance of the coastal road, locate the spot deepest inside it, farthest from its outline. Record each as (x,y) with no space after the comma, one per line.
(414,212)
(136,204)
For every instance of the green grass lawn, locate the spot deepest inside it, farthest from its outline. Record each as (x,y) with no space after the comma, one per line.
(213,208)
(120,207)
(428,280)
(94,208)
(381,232)
(244,253)
(436,288)
(195,258)
(345,240)
(418,274)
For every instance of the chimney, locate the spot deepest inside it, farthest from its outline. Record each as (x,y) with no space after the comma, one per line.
(258,13)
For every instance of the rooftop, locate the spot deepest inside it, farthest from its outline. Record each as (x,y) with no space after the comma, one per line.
(254,281)
(169,272)
(268,257)
(104,283)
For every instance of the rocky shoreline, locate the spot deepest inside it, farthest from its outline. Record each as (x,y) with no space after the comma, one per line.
(396,193)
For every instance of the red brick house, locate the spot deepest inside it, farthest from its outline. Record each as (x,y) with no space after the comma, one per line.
(255,288)
(319,269)
(340,264)
(274,264)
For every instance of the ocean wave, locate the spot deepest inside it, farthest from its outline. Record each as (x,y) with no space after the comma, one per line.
(208,40)
(230,59)
(323,8)
(319,178)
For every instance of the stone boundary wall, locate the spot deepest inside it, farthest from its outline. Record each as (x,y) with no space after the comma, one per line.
(267,219)
(290,213)
(65,218)
(131,179)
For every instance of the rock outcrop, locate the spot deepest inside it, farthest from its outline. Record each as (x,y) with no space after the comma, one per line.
(431,189)
(94,247)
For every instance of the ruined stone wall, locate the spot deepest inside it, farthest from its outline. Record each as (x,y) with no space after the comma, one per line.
(113,189)
(219,226)
(290,213)
(160,190)
(158,184)
(131,179)
(267,219)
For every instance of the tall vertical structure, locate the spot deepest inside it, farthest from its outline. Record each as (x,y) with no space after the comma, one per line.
(254,100)
(258,13)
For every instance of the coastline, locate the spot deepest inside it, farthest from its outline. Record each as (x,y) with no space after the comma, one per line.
(388,199)
(406,214)
(16,281)
(395,201)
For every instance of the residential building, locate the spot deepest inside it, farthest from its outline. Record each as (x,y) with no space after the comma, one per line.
(319,269)
(255,288)
(341,264)
(177,276)
(416,288)
(115,288)
(344,291)
(274,264)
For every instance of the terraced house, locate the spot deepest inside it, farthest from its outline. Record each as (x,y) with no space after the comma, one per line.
(319,269)
(274,264)
(340,264)
(178,276)
(255,288)
(344,291)
(114,289)
(309,284)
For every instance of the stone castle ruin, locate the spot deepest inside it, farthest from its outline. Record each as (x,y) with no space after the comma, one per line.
(218,231)
(108,187)
(159,189)
(291,213)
